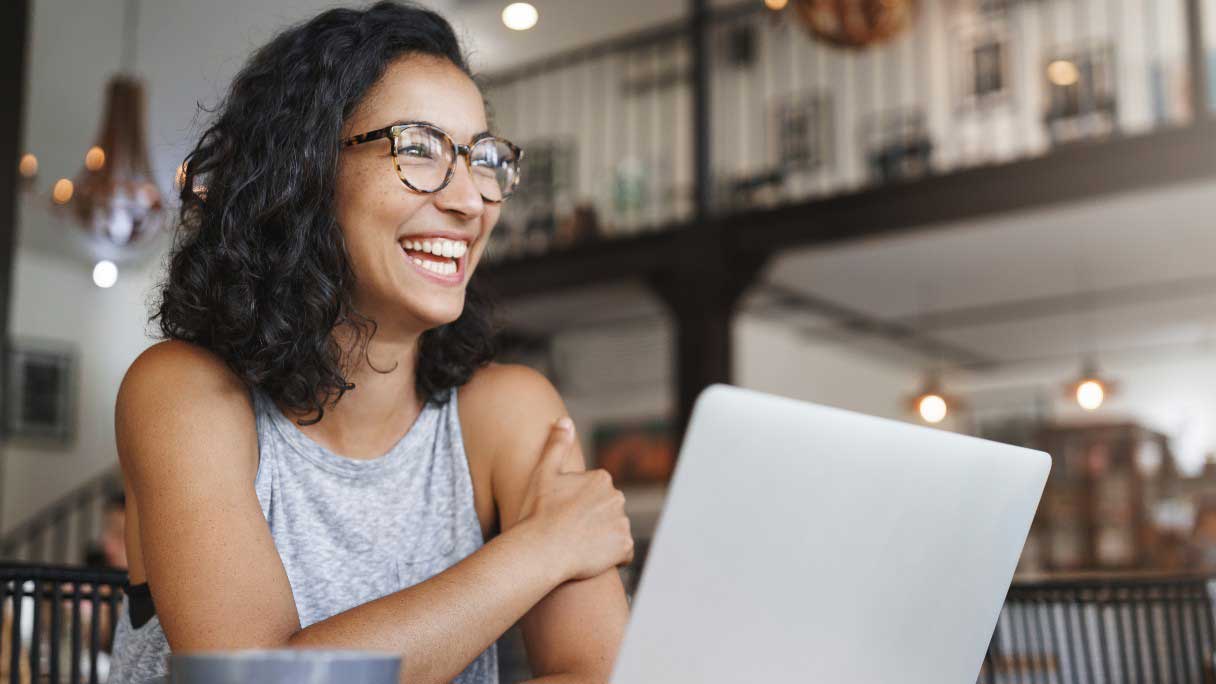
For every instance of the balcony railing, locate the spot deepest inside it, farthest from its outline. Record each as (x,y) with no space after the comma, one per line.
(608,129)
(1105,630)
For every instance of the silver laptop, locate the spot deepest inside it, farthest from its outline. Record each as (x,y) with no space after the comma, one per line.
(801,543)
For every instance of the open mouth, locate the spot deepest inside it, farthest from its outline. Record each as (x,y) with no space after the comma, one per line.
(438,256)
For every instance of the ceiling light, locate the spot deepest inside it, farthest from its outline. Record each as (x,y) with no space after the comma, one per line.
(28,166)
(62,191)
(1063,73)
(776,5)
(1091,394)
(1090,390)
(105,274)
(95,158)
(933,408)
(520,16)
(931,404)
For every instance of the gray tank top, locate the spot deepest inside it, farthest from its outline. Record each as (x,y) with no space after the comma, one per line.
(349,531)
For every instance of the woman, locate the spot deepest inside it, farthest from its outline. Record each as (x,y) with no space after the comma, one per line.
(319,450)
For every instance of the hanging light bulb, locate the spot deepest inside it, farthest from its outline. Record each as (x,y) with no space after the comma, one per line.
(1091,394)
(1090,390)
(931,404)
(95,158)
(28,167)
(776,5)
(62,191)
(933,408)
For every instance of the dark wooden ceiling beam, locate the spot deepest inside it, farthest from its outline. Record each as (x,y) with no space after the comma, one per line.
(1081,171)
(637,257)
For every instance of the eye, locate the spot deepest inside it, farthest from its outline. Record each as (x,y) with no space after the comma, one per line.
(417,151)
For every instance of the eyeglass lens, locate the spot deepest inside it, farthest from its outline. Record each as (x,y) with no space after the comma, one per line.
(425,156)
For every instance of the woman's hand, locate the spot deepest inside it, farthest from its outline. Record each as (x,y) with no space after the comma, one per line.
(580,513)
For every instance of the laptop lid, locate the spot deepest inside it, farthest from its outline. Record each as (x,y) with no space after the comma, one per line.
(811,544)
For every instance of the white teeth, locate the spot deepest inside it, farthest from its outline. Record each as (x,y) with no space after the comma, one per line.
(449,249)
(438,267)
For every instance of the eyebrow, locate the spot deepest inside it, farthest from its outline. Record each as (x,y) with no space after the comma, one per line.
(406,122)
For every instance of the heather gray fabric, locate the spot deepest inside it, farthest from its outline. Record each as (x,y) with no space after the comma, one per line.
(349,531)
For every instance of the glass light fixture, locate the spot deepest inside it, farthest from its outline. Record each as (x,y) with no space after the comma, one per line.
(117,201)
(520,16)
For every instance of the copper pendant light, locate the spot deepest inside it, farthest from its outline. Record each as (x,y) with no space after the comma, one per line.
(854,23)
(117,202)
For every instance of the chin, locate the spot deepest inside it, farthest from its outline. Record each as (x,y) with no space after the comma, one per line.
(435,314)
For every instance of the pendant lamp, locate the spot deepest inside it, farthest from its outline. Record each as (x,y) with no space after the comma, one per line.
(115,200)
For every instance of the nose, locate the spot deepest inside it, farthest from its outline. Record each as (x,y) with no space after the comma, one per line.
(461,196)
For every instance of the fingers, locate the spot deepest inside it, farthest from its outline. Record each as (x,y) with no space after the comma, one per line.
(561,435)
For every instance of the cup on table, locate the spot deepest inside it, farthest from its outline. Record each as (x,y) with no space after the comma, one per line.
(284,666)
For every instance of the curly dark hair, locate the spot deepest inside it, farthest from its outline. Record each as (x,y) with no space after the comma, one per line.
(259,274)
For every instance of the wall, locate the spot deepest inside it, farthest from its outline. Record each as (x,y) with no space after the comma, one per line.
(55,299)
(1172,392)
(626,374)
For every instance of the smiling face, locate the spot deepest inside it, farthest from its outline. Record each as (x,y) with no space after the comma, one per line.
(389,228)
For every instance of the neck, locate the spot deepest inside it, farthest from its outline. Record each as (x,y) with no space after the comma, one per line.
(372,417)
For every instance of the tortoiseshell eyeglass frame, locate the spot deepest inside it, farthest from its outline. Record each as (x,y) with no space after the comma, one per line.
(391,133)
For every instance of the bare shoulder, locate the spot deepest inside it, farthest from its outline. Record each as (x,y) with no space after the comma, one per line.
(506,414)
(502,395)
(176,395)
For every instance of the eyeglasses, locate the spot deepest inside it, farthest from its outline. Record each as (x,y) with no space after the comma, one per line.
(425,158)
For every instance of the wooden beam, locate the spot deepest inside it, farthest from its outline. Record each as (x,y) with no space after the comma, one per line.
(636,257)
(702,284)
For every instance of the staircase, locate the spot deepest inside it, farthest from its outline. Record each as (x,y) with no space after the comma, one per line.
(61,532)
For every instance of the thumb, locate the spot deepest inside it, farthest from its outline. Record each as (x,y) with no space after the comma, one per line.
(561,434)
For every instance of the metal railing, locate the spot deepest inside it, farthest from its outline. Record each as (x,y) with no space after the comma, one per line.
(608,130)
(1104,630)
(58,622)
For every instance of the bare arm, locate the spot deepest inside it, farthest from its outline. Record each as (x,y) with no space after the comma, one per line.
(190,456)
(573,634)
